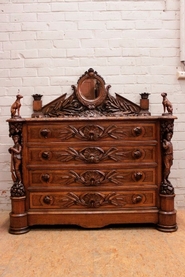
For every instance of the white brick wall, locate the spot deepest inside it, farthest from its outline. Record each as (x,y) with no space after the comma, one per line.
(45,45)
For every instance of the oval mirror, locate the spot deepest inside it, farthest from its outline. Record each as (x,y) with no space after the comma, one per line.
(91,90)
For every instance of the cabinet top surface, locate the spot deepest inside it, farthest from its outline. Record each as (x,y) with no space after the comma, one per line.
(103,118)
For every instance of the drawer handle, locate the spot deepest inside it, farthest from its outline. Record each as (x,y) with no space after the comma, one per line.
(137,154)
(45,155)
(138,176)
(45,132)
(137,131)
(137,198)
(47,199)
(45,177)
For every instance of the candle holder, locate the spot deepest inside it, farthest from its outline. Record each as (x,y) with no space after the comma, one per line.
(144,104)
(37,105)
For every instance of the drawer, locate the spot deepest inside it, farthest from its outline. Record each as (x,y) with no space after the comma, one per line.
(73,131)
(92,177)
(92,200)
(91,155)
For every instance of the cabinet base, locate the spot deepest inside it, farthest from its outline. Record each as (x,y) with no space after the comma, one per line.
(19,231)
(18,224)
(167,228)
(167,221)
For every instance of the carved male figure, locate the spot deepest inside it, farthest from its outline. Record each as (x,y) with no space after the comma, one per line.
(167,156)
(15,152)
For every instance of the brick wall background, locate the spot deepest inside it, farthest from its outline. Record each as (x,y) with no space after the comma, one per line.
(45,45)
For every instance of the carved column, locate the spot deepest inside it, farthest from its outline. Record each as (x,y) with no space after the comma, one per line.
(167,213)
(18,215)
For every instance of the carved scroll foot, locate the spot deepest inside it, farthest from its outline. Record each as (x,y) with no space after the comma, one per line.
(18,216)
(167,214)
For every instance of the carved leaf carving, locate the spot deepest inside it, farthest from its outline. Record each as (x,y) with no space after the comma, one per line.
(93,200)
(15,128)
(91,155)
(95,177)
(104,105)
(91,132)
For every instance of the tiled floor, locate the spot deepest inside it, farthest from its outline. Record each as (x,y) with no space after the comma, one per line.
(110,252)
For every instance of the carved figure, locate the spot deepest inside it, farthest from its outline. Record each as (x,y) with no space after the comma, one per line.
(15,152)
(167,157)
(16,106)
(166,103)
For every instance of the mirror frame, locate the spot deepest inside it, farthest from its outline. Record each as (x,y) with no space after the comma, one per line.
(91,103)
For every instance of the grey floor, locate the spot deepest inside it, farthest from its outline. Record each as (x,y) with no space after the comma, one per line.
(124,251)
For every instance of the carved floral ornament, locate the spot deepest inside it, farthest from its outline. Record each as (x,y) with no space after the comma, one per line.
(93,199)
(97,177)
(93,132)
(95,154)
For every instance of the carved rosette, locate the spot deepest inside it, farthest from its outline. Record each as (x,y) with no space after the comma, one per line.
(167,155)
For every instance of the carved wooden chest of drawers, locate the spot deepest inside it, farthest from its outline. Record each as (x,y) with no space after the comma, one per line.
(91,159)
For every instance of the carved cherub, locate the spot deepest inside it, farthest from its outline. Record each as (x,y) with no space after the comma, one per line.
(16,106)
(166,103)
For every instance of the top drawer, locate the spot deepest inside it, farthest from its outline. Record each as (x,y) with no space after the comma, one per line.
(90,131)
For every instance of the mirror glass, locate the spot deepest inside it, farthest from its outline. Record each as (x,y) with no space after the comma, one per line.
(90,88)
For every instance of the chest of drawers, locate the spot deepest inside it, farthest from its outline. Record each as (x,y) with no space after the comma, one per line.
(91,162)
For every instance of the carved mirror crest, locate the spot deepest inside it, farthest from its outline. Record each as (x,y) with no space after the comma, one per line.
(91,91)
(90,98)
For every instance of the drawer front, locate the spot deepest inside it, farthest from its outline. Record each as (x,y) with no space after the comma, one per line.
(92,200)
(91,155)
(91,131)
(92,177)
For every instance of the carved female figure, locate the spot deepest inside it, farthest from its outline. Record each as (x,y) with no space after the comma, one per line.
(15,152)
(167,156)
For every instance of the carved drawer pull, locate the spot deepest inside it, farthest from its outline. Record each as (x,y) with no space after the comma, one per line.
(137,131)
(45,177)
(137,154)
(45,132)
(48,199)
(45,155)
(137,198)
(138,176)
